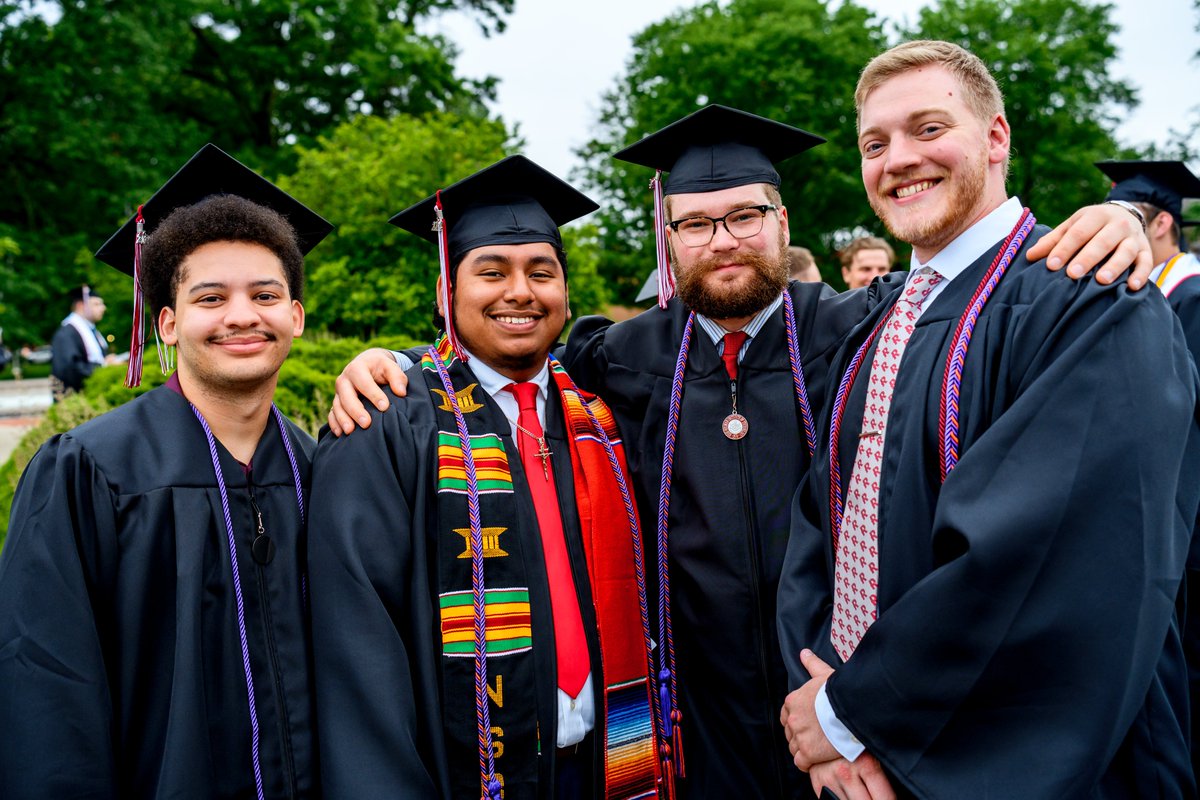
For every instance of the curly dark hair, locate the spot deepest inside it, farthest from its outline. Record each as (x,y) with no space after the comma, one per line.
(220,218)
(439,322)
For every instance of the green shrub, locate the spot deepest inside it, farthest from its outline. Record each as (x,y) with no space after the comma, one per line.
(304,392)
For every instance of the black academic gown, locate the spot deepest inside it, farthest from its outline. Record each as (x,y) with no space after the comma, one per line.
(1185,302)
(729,516)
(376,625)
(1024,603)
(69,361)
(121,672)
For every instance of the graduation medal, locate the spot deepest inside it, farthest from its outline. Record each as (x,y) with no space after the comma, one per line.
(735,426)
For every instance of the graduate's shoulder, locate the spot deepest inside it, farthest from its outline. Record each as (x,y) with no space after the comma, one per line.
(647,342)
(407,419)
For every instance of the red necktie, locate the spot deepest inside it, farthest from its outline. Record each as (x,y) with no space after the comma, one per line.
(570,644)
(733,343)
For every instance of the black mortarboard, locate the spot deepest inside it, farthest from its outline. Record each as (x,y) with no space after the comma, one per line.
(1164,184)
(514,201)
(718,147)
(211,171)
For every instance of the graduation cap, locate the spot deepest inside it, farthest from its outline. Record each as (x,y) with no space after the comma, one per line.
(1163,184)
(715,148)
(514,201)
(211,171)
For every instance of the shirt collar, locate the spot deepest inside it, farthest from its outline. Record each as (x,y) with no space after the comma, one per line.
(717,333)
(493,382)
(77,319)
(953,259)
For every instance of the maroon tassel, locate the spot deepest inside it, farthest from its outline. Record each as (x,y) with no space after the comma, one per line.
(133,373)
(677,739)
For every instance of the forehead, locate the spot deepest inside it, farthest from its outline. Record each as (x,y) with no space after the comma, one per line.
(920,90)
(516,254)
(230,262)
(718,202)
(869,255)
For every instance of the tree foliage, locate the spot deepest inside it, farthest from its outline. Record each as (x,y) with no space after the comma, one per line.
(370,278)
(100,100)
(1052,60)
(791,60)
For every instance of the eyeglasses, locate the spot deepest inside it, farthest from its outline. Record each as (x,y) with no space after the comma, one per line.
(741,223)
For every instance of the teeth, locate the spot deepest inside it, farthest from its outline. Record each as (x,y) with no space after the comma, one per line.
(515,320)
(909,191)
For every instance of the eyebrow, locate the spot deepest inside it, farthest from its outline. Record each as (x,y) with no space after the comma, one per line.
(496,258)
(207,285)
(915,115)
(734,206)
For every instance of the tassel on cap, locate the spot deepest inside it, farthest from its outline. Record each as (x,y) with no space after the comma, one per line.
(666,278)
(137,342)
(439,225)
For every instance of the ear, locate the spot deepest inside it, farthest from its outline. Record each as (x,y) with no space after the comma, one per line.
(297,319)
(438,298)
(783,222)
(1160,226)
(999,140)
(567,296)
(166,326)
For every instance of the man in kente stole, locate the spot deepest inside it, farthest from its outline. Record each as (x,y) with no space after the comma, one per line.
(480,620)
(978,598)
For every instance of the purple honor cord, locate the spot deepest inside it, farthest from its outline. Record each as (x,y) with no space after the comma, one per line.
(487,763)
(237,581)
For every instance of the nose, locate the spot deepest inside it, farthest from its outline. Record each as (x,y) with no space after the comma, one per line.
(902,155)
(518,288)
(241,312)
(722,240)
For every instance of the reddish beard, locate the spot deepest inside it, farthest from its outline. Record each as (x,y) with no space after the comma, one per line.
(723,301)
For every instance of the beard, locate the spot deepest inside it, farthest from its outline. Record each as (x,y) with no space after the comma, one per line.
(726,301)
(935,229)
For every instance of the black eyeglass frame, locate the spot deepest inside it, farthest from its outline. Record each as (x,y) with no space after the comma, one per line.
(762,209)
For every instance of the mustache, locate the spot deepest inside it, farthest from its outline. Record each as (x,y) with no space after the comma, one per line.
(266,335)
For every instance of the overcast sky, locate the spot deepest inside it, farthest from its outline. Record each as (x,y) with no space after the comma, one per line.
(557,57)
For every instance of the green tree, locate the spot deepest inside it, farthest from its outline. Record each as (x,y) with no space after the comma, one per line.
(370,278)
(791,60)
(101,100)
(1052,60)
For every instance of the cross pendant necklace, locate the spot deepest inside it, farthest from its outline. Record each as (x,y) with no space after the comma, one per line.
(543,451)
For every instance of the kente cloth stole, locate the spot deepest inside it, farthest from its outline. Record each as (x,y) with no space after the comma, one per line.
(511,678)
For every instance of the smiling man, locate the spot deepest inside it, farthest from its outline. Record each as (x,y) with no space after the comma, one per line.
(152,620)
(990,541)
(476,614)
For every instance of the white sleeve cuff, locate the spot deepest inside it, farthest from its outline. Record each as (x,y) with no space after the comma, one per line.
(404,361)
(838,734)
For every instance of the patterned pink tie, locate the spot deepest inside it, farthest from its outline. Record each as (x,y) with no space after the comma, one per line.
(856,569)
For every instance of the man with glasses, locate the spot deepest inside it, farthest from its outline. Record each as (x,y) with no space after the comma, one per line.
(741,429)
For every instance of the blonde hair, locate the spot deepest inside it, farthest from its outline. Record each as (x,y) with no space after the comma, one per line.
(981,93)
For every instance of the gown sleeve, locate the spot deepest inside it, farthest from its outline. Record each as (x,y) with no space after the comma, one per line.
(371,618)
(56,709)
(1017,665)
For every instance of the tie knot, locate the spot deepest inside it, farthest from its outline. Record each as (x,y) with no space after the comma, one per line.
(732,343)
(526,394)
(920,286)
